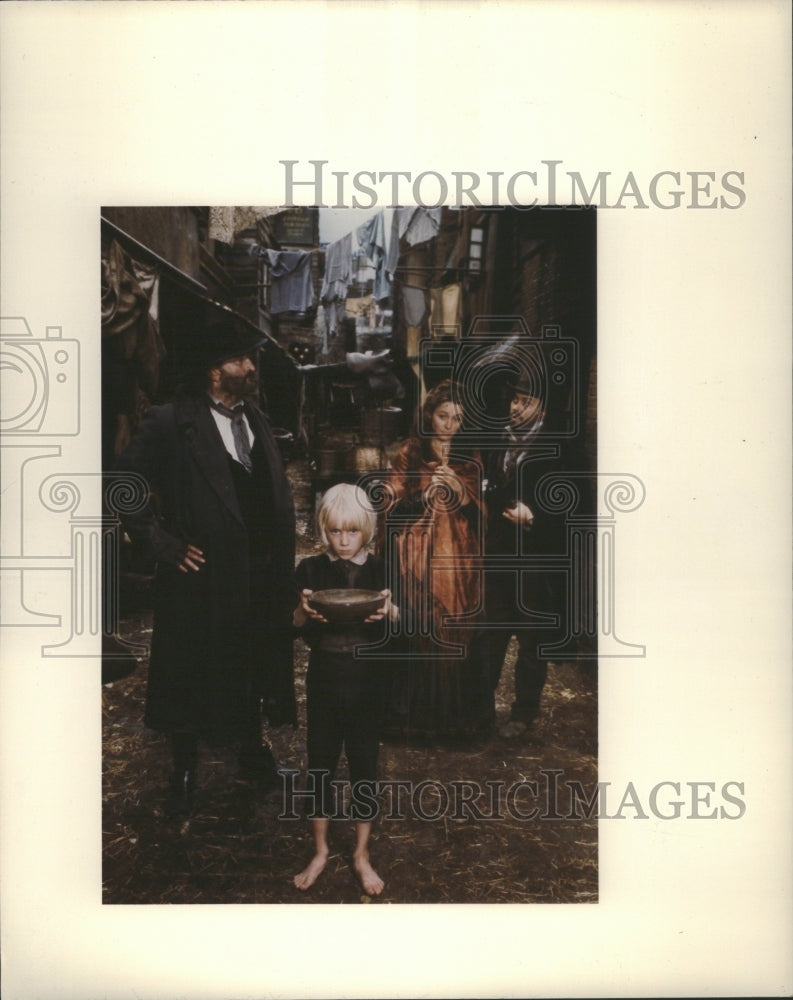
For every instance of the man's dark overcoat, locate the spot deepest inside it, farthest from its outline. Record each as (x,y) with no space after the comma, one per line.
(221,636)
(514,472)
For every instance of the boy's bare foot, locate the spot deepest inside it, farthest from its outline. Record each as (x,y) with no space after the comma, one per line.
(372,884)
(311,872)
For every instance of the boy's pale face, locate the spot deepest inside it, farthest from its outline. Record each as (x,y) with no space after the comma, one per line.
(345,543)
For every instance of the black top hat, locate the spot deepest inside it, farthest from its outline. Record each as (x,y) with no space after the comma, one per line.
(223,339)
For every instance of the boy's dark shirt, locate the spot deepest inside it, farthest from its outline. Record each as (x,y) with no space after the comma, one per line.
(322,573)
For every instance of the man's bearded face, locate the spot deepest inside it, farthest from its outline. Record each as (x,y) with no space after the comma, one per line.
(238,377)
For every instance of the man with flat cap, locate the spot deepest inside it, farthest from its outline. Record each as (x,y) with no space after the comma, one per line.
(520,602)
(220,527)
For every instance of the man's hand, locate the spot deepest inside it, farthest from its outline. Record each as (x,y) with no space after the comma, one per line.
(193,559)
(520,514)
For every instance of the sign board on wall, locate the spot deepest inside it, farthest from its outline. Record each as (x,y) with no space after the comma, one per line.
(297,226)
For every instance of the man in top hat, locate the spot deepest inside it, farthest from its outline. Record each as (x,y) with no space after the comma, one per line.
(222,536)
(518,601)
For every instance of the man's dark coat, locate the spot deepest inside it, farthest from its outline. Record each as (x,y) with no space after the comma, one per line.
(538,591)
(222,635)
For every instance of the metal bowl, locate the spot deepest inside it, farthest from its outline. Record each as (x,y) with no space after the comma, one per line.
(341,606)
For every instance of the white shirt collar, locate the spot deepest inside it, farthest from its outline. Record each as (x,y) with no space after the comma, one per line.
(359,558)
(220,402)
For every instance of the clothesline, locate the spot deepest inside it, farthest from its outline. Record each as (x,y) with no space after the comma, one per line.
(291,282)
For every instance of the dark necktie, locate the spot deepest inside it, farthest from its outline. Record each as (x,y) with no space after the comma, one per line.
(242,442)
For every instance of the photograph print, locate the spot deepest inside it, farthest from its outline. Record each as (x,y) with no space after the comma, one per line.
(354,555)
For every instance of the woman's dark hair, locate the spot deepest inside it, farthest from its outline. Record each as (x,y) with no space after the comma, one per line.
(421,441)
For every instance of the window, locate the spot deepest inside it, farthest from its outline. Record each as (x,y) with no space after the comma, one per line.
(475,246)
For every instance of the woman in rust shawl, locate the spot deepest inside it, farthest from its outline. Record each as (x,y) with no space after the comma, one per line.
(435,526)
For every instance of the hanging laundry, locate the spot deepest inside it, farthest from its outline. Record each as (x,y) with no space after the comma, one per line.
(446,311)
(291,287)
(399,223)
(424,225)
(417,224)
(371,239)
(414,304)
(321,325)
(338,270)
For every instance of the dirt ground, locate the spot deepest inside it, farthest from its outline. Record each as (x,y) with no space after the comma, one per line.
(493,822)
